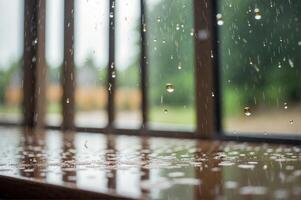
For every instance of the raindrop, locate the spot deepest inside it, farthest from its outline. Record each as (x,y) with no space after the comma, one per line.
(67,100)
(111,15)
(247,111)
(34,59)
(212,94)
(158,19)
(279,65)
(144,28)
(170,88)
(180,66)
(192,32)
(112,65)
(257,14)
(290,62)
(219,18)
(113,74)
(165,110)
(68,25)
(178,27)
(291,122)
(299,43)
(35,41)
(285,105)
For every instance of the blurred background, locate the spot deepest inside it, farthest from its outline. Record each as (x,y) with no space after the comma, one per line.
(259,60)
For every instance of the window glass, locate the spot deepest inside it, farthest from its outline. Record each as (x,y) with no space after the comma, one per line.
(127,57)
(170,58)
(260,63)
(11,50)
(54,59)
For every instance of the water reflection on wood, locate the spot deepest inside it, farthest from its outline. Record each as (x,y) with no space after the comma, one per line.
(148,168)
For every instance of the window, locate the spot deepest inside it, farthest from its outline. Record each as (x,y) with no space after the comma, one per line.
(186,69)
(259,46)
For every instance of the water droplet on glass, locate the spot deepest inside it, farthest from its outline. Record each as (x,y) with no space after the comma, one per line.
(67,100)
(257,14)
(35,41)
(34,59)
(291,122)
(279,65)
(113,74)
(192,32)
(170,88)
(144,28)
(285,105)
(247,111)
(219,18)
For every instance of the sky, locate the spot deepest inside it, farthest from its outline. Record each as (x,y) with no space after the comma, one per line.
(91,31)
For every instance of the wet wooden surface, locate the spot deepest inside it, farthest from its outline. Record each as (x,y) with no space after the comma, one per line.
(40,164)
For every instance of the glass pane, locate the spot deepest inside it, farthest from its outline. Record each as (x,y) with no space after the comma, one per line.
(54,59)
(170,50)
(260,48)
(128,96)
(11,50)
(91,60)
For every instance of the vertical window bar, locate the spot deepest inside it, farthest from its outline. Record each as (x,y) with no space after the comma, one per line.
(68,71)
(204,68)
(111,66)
(143,66)
(34,67)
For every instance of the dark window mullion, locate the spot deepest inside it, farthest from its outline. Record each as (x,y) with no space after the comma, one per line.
(68,71)
(143,67)
(111,67)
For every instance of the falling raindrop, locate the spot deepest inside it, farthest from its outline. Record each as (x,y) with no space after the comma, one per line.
(67,100)
(285,105)
(247,111)
(219,18)
(170,88)
(290,62)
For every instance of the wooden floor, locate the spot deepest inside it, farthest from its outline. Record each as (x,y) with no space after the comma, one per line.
(49,164)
